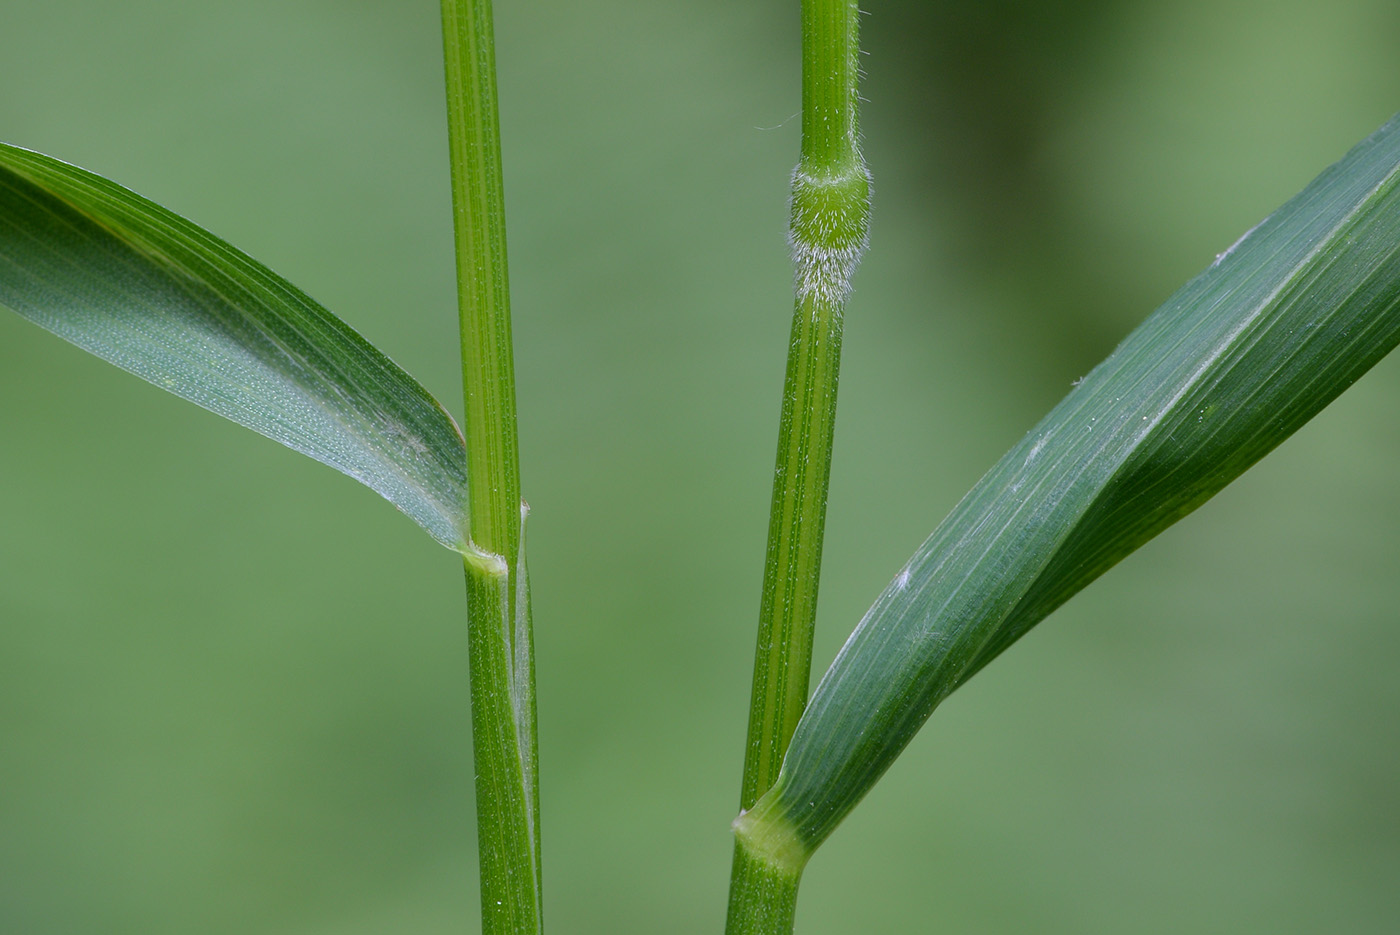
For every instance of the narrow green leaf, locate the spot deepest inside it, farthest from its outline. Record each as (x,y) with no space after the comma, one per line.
(1231,365)
(145,289)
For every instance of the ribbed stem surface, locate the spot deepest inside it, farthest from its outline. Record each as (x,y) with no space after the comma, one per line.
(498,603)
(828,228)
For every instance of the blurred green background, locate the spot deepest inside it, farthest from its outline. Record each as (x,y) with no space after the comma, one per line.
(232,683)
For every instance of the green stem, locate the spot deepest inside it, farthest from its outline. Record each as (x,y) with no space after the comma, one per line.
(828,228)
(498,603)
(762,897)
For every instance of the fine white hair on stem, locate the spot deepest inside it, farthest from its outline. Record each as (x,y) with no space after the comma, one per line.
(829,231)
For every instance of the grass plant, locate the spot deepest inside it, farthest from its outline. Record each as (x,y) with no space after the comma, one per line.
(1238,359)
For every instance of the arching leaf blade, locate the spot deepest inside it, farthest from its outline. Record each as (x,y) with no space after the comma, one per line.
(1230,366)
(147,290)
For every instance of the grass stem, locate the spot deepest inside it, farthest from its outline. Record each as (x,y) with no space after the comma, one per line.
(498,605)
(828,230)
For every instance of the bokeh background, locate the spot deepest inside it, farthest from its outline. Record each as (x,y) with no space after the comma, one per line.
(233,683)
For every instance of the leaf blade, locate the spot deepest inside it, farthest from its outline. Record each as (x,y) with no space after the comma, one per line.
(158,296)
(1223,372)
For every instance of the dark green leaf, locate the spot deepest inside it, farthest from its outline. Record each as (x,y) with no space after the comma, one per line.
(1231,365)
(147,290)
